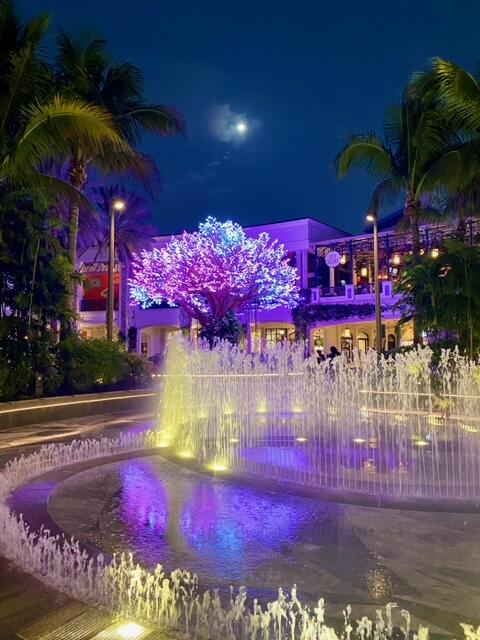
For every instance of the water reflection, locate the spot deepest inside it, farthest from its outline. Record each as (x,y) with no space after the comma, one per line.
(229,533)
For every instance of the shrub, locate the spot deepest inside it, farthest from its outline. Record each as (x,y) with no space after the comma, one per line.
(89,365)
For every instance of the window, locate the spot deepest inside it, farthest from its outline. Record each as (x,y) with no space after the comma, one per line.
(362,342)
(318,339)
(144,345)
(391,342)
(274,336)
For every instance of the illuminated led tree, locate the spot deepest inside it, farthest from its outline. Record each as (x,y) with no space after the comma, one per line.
(216,272)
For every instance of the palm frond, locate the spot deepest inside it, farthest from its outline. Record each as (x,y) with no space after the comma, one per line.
(57,127)
(385,193)
(154,118)
(456,84)
(364,151)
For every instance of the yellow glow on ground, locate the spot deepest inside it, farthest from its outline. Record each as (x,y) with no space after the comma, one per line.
(262,407)
(297,409)
(301,439)
(186,454)
(234,440)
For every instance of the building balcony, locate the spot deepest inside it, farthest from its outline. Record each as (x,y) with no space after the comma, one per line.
(349,293)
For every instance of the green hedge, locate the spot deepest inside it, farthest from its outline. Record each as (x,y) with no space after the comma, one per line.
(71,366)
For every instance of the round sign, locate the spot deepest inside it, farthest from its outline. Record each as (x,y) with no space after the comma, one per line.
(333,259)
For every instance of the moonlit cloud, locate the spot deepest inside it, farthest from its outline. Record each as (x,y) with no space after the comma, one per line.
(228,125)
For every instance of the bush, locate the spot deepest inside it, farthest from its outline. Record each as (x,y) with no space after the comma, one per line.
(91,365)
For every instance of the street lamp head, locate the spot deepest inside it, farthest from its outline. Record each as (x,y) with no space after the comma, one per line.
(119,205)
(371,217)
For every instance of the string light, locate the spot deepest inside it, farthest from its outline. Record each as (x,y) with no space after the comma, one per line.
(215,270)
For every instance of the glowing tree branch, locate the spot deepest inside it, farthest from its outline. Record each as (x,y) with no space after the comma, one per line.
(215,271)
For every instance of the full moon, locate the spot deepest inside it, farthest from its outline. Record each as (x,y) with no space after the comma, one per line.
(241,127)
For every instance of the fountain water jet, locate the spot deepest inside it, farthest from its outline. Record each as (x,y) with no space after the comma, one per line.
(402,427)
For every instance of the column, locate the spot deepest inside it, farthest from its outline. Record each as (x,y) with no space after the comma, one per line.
(331,277)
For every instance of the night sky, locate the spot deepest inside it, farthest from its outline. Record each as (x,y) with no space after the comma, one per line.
(301,74)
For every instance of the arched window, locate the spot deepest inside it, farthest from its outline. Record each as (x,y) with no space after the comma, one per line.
(362,340)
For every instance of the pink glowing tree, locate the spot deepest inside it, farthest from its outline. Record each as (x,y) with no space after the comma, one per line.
(215,272)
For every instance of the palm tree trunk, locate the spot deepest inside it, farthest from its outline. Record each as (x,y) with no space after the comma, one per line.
(411,211)
(78,178)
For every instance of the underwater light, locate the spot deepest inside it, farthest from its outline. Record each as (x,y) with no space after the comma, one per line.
(421,443)
(217,466)
(186,453)
(130,631)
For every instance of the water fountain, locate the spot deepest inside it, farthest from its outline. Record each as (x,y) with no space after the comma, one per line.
(396,428)
(401,428)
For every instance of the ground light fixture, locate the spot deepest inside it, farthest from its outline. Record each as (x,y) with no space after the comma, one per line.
(301,439)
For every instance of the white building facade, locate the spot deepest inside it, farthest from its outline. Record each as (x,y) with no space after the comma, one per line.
(341,308)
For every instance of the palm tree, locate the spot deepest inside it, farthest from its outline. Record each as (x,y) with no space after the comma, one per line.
(133,233)
(84,71)
(34,122)
(422,157)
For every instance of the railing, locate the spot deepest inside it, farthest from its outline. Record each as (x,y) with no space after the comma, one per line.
(349,292)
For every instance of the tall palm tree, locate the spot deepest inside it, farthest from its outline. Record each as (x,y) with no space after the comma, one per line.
(35,123)
(133,231)
(85,71)
(422,156)
(461,94)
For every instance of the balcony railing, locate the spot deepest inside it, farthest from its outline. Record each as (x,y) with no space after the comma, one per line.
(350,292)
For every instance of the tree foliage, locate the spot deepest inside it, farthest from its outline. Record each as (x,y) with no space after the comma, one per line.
(446,293)
(215,271)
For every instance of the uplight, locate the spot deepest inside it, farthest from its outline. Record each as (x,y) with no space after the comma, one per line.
(421,443)
(186,454)
(359,440)
(301,439)
(130,631)
(217,466)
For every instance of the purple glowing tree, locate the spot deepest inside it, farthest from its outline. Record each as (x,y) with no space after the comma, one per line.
(215,273)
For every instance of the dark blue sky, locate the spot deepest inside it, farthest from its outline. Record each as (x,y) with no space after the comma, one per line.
(304,72)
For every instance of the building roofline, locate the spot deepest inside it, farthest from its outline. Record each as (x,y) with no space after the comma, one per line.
(267,224)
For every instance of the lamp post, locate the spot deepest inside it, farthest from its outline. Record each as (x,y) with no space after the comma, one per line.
(372,217)
(116,205)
